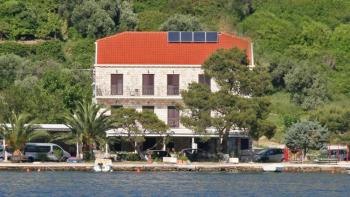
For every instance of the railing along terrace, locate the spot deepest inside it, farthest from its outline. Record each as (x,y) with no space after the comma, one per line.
(147,90)
(173,122)
(173,90)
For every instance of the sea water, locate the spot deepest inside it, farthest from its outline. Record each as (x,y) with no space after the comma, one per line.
(67,184)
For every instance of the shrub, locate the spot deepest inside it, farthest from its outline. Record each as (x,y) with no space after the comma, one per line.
(150,20)
(22,50)
(128,156)
(183,157)
(80,53)
(51,49)
(180,22)
(305,136)
(45,50)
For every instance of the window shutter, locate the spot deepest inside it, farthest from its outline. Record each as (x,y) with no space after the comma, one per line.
(116,84)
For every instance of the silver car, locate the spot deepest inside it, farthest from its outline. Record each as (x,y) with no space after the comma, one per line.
(269,155)
(45,151)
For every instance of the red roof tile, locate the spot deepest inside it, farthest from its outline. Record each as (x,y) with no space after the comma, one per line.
(154,48)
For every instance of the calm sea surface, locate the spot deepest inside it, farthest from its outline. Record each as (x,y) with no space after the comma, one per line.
(171,184)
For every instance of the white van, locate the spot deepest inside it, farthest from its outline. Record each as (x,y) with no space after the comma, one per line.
(34,151)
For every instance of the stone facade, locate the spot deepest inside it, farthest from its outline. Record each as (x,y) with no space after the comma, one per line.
(132,86)
(133,79)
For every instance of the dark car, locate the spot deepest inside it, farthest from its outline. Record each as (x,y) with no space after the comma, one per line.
(157,154)
(199,155)
(269,155)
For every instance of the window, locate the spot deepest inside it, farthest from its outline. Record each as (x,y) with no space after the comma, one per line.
(114,108)
(37,149)
(244,143)
(56,148)
(148,108)
(148,84)
(117,84)
(278,151)
(173,84)
(30,148)
(43,149)
(203,79)
(173,117)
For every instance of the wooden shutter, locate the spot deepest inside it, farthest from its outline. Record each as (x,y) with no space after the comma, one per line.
(116,84)
(173,84)
(148,84)
(173,117)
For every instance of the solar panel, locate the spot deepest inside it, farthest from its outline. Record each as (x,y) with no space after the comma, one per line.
(199,36)
(212,36)
(186,36)
(174,36)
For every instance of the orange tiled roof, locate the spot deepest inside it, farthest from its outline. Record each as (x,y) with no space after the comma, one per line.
(154,48)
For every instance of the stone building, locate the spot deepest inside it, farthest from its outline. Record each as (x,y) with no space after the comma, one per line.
(148,70)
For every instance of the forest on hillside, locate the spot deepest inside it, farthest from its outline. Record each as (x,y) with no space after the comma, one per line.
(47,51)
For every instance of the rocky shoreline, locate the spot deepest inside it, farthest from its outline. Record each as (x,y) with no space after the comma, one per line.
(194,167)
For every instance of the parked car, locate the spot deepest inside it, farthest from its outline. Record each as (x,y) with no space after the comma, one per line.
(269,155)
(198,155)
(157,154)
(45,151)
(2,156)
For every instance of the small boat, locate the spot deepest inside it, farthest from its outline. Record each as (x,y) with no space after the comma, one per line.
(273,168)
(103,165)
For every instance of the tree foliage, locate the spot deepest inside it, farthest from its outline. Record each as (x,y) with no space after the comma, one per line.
(137,124)
(19,131)
(308,87)
(181,22)
(128,19)
(229,108)
(230,70)
(45,92)
(88,124)
(305,136)
(9,66)
(90,20)
(337,120)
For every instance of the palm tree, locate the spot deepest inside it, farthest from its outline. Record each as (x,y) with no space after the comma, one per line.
(88,124)
(19,131)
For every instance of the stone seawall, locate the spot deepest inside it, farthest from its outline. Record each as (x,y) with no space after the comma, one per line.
(194,167)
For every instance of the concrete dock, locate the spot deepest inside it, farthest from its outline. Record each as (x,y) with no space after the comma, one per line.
(208,167)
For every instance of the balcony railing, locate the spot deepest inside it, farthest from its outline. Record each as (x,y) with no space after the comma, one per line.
(131,91)
(147,90)
(117,91)
(173,122)
(173,90)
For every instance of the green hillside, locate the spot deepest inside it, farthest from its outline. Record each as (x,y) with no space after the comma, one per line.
(47,48)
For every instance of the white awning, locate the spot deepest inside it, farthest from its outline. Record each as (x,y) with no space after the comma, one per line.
(176,133)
